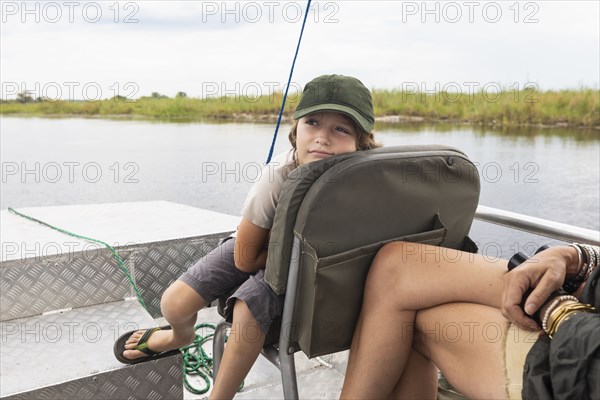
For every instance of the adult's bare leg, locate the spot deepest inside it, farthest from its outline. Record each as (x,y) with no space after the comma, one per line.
(419,380)
(468,342)
(404,278)
(179,305)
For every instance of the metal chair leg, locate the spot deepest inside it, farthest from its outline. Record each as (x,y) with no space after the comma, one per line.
(219,345)
(288,367)
(288,377)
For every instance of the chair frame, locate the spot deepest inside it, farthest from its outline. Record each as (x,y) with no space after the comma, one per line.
(285,362)
(282,354)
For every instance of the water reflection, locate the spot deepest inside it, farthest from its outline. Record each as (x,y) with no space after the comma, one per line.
(546,173)
(584,135)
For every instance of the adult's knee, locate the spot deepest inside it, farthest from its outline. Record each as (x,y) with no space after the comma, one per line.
(385,268)
(389,271)
(392,256)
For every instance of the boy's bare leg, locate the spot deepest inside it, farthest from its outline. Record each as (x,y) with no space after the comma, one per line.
(179,305)
(406,277)
(244,344)
(467,342)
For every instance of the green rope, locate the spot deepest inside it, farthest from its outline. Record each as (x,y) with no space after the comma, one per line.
(108,246)
(196,362)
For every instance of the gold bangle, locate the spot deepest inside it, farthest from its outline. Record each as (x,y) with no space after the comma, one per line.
(555,306)
(557,316)
(565,313)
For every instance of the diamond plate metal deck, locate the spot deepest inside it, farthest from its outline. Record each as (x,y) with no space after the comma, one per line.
(66,346)
(158,264)
(61,298)
(157,380)
(34,286)
(37,285)
(44,270)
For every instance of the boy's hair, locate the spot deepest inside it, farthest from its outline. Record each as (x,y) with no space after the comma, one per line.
(364,140)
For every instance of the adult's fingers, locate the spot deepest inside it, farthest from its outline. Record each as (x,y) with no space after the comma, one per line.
(516,315)
(549,282)
(516,285)
(542,274)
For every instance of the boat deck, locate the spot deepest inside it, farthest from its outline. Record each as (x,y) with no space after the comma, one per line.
(65,301)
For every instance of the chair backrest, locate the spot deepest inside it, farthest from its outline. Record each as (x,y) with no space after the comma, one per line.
(343,209)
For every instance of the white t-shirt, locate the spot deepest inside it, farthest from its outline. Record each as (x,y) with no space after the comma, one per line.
(261,202)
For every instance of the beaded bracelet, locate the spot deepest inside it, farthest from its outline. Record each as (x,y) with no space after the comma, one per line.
(552,306)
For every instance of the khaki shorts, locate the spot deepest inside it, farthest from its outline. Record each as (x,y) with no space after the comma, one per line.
(517,344)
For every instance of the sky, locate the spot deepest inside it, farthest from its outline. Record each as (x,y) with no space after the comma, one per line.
(78,50)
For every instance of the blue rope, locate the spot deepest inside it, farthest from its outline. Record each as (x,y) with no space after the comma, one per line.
(288,85)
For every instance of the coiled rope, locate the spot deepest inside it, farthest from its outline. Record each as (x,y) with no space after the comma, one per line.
(196,362)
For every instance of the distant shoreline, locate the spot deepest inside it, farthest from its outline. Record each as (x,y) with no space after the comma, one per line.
(271,119)
(526,108)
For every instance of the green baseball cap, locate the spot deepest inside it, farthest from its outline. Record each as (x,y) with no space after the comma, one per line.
(339,93)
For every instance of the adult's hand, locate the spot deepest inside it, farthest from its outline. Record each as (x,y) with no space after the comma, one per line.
(544,273)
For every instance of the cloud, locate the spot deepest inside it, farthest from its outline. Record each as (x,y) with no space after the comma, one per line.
(185,45)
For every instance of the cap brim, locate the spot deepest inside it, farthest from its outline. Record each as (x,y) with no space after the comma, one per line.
(352,113)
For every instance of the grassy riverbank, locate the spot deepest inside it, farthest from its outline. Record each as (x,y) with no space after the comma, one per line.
(565,108)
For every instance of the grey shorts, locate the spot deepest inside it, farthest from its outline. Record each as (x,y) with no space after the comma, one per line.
(215,275)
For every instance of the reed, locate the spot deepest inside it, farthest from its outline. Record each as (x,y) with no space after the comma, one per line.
(567,108)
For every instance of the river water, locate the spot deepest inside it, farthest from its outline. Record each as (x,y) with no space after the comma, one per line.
(551,173)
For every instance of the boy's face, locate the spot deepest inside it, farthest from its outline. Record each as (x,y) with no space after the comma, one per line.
(324,134)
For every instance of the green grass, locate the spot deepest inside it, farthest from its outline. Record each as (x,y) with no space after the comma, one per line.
(568,108)
(577,108)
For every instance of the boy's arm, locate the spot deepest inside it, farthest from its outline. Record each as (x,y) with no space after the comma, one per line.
(251,243)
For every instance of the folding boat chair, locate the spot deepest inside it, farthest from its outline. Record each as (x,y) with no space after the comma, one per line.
(332,218)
